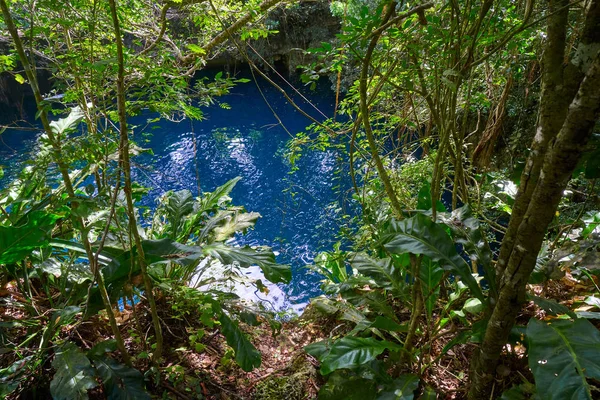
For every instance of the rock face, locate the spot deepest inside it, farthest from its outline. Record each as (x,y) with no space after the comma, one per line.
(300,26)
(16,99)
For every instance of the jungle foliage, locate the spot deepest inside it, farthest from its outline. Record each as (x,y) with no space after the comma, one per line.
(470,132)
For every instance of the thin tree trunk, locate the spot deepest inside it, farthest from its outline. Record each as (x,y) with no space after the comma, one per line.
(64,170)
(558,164)
(124,157)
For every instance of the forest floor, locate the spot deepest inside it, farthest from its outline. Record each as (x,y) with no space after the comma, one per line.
(286,371)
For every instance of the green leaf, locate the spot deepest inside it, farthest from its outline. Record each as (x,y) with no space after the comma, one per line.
(13,375)
(341,386)
(428,394)
(424,199)
(19,78)
(64,125)
(473,306)
(420,235)
(467,231)
(238,222)
(101,348)
(17,242)
(550,306)
(74,374)
(382,271)
(177,205)
(196,49)
(318,349)
(211,200)
(388,325)
(352,352)
(518,392)
(246,354)
(120,381)
(247,256)
(402,388)
(430,275)
(562,354)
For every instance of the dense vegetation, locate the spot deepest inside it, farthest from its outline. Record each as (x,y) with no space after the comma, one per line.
(470,130)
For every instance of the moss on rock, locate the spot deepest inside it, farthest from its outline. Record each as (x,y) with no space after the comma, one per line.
(287,387)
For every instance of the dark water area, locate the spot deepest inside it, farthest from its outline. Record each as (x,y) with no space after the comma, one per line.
(300,211)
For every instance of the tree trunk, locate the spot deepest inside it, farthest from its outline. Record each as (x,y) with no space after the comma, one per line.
(540,197)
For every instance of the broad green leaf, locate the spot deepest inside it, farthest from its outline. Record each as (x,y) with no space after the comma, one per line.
(430,275)
(103,258)
(177,205)
(519,392)
(424,199)
(17,242)
(319,349)
(238,222)
(247,256)
(562,354)
(550,306)
(120,382)
(101,348)
(420,235)
(342,386)
(402,388)
(473,306)
(64,125)
(467,231)
(220,194)
(428,394)
(12,376)
(195,48)
(382,271)
(388,325)
(74,374)
(351,352)
(246,354)
(325,305)
(592,301)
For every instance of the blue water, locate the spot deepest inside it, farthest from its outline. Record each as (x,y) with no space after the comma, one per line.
(300,212)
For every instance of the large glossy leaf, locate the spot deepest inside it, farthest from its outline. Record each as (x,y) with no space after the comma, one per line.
(121,265)
(466,230)
(211,200)
(70,122)
(247,256)
(341,386)
(13,375)
(402,388)
(550,306)
(430,275)
(420,235)
(74,374)
(246,354)
(103,258)
(382,271)
(177,205)
(562,354)
(120,381)
(237,222)
(424,199)
(351,352)
(519,392)
(17,242)
(429,393)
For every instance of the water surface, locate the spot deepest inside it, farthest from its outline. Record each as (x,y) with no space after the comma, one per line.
(299,211)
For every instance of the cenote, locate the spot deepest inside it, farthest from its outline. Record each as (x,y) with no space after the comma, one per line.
(300,211)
